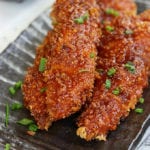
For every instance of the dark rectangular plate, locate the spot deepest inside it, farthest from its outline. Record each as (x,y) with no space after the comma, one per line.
(13,65)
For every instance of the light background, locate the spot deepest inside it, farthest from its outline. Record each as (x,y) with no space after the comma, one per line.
(15,17)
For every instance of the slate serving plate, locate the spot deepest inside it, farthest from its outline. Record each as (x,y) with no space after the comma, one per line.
(61,136)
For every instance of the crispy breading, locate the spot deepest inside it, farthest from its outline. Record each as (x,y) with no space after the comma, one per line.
(128,44)
(127,7)
(145,16)
(70,69)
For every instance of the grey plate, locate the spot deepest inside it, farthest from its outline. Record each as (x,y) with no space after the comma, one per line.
(13,64)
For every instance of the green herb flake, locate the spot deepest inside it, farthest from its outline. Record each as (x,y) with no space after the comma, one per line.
(83,70)
(110,28)
(141,100)
(139,110)
(18,85)
(12,91)
(7,146)
(111,11)
(7,115)
(108,84)
(130,67)
(111,72)
(43,90)
(92,55)
(42,65)
(33,127)
(82,19)
(116,91)
(16,106)
(25,122)
(128,31)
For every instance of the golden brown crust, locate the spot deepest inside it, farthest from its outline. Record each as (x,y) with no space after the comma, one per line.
(69,74)
(145,16)
(116,49)
(124,7)
(127,7)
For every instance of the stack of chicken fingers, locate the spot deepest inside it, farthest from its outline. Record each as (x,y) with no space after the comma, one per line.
(96,60)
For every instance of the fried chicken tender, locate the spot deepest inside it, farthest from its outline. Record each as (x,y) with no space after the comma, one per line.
(123,74)
(70,52)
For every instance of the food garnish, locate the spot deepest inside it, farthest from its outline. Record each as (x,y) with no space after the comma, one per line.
(7,115)
(139,110)
(130,67)
(111,11)
(7,146)
(16,106)
(141,100)
(108,84)
(116,91)
(25,121)
(111,72)
(42,65)
(82,19)
(109,28)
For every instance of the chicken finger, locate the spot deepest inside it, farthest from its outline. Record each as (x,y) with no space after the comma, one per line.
(123,75)
(67,59)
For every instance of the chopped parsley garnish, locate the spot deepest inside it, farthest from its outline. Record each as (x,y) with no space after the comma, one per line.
(110,28)
(82,19)
(25,122)
(16,106)
(12,91)
(43,90)
(7,146)
(111,11)
(116,91)
(18,85)
(108,84)
(92,55)
(130,67)
(141,100)
(42,65)
(83,70)
(111,72)
(7,115)
(128,31)
(139,110)
(33,127)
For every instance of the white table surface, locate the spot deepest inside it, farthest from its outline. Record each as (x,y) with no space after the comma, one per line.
(15,17)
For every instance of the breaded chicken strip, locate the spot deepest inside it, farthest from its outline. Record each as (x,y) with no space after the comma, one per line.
(123,74)
(65,78)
